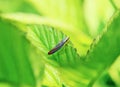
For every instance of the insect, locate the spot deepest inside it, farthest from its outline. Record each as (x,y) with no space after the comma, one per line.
(58,46)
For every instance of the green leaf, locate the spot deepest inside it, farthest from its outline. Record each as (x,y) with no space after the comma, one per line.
(9,6)
(45,38)
(99,59)
(63,68)
(68,11)
(15,65)
(104,81)
(27,8)
(115,72)
(115,3)
(80,41)
(97,15)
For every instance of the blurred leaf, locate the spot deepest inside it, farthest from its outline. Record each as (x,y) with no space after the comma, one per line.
(15,65)
(115,3)
(115,71)
(44,38)
(26,63)
(67,11)
(97,15)
(99,59)
(104,81)
(70,13)
(80,41)
(51,77)
(9,5)
(26,8)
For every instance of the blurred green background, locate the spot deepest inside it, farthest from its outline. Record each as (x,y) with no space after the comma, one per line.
(30,28)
